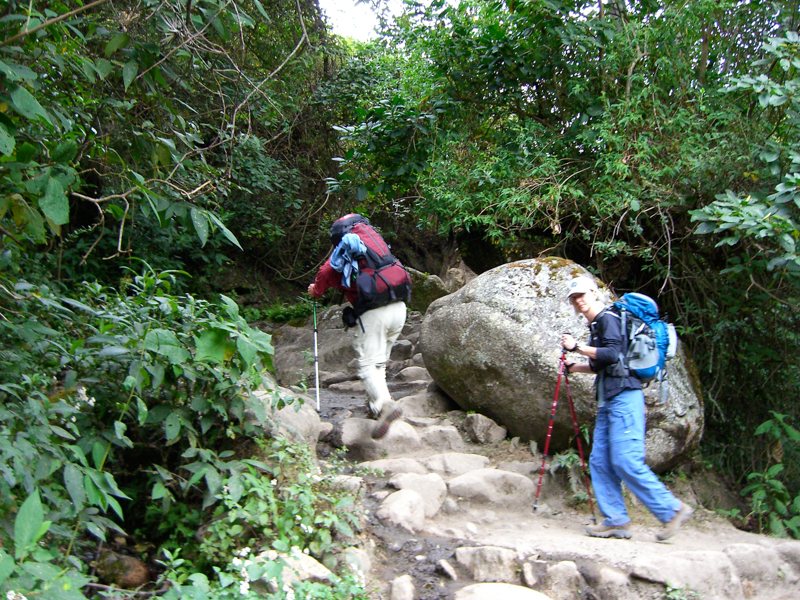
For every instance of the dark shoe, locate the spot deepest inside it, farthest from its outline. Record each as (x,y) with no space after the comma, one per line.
(671,528)
(609,531)
(391,412)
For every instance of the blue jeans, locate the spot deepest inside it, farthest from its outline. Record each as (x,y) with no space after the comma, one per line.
(618,455)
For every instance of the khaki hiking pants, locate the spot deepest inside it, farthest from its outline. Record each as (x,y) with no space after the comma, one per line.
(382,327)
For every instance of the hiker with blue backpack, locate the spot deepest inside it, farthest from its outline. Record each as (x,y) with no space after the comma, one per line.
(618,450)
(378,288)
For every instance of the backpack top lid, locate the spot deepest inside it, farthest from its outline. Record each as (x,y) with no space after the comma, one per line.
(640,305)
(343,225)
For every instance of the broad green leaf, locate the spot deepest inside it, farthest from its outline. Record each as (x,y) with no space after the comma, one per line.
(15,72)
(246,350)
(104,68)
(200,222)
(6,566)
(73,481)
(129,72)
(26,152)
(54,202)
(118,41)
(214,345)
(28,523)
(96,531)
(159,491)
(769,156)
(40,570)
(156,339)
(213,480)
(158,372)
(110,351)
(26,105)
(119,429)
(142,411)
(98,454)
(7,141)
(114,504)
(93,493)
(225,231)
(261,10)
(176,356)
(235,487)
(62,433)
(172,426)
(65,152)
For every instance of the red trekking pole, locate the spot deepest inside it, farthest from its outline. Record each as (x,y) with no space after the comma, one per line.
(562,370)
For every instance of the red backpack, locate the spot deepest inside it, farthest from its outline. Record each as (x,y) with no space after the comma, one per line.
(381,279)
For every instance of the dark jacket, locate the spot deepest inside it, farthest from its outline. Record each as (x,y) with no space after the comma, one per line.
(607,337)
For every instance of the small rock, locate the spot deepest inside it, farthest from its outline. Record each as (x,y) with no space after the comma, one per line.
(123,571)
(528,576)
(489,563)
(402,350)
(482,430)
(403,588)
(446,568)
(493,591)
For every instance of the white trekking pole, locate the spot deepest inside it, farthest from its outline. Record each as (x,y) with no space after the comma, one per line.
(316,356)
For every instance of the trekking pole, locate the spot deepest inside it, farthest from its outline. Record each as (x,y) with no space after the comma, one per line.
(578,438)
(550,428)
(316,356)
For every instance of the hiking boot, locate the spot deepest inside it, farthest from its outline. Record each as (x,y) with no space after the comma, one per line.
(609,531)
(391,412)
(671,528)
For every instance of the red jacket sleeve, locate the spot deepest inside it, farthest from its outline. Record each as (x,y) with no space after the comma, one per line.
(328,277)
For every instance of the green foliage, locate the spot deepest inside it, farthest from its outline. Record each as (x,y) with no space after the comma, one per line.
(570,461)
(164,130)
(681,593)
(766,218)
(92,381)
(775,507)
(280,312)
(33,569)
(281,505)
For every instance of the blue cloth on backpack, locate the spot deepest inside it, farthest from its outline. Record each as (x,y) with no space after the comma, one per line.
(345,257)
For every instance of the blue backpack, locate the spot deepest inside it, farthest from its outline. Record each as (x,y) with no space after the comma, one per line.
(650,340)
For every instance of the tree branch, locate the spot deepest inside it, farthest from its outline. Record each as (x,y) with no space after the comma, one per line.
(52,21)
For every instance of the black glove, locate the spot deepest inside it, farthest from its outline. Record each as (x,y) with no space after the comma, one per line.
(567,365)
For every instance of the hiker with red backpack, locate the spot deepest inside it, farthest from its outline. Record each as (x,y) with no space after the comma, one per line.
(618,450)
(378,288)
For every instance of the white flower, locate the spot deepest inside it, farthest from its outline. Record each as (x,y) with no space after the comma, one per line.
(305,551)
(243,574)
(274,482)
(236,562)
(12,595)
(289,592)
(244,588)
(244,552)
(91,401)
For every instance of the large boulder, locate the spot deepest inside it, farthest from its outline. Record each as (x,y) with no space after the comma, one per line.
(494,347)
(425,289)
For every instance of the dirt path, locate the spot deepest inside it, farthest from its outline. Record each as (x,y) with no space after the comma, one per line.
(641,567)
